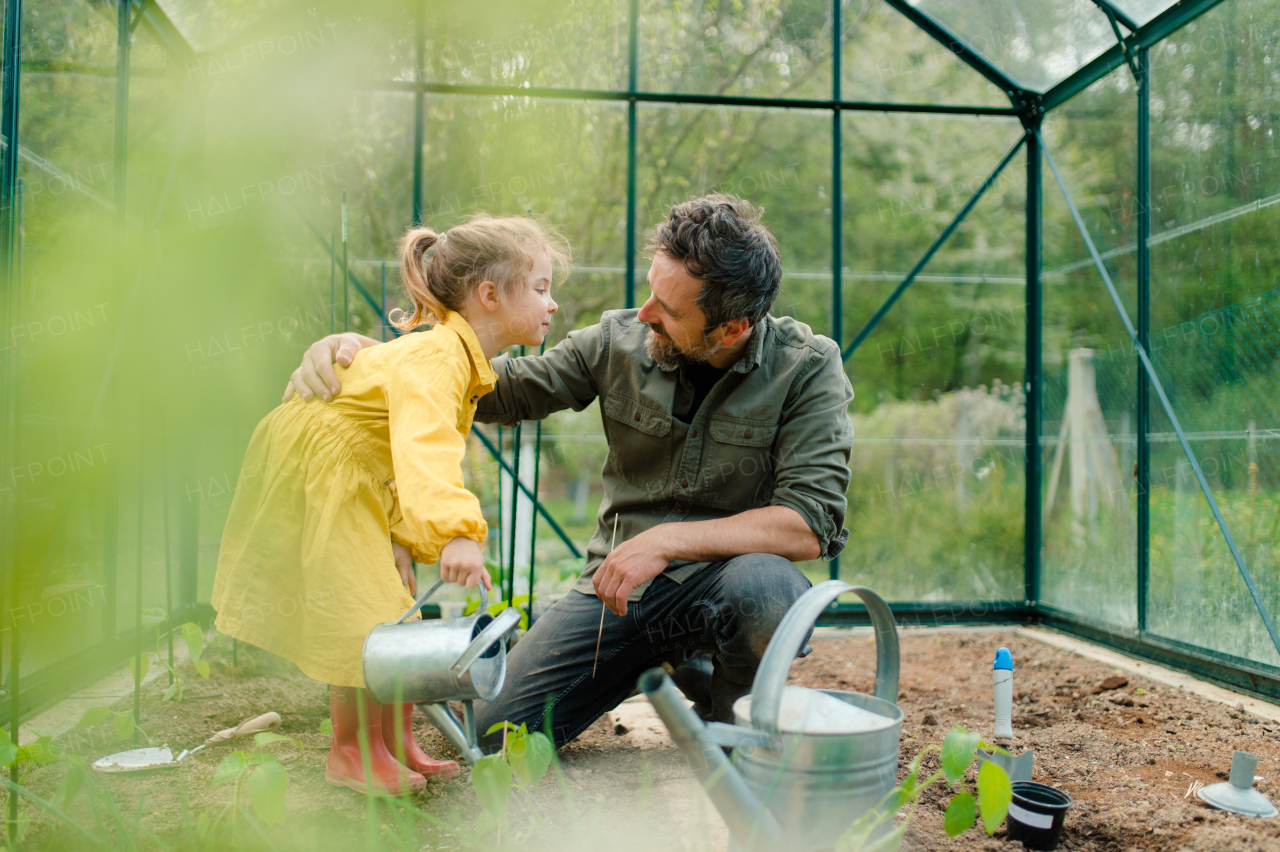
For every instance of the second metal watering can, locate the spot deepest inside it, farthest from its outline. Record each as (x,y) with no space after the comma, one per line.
(800,776)
(433,661)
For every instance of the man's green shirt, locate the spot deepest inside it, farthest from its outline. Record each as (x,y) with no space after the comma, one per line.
(773,431)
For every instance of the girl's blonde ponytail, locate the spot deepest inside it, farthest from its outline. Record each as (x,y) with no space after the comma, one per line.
(483,248)
(413,272)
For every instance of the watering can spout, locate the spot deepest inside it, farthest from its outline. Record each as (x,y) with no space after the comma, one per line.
(752,825)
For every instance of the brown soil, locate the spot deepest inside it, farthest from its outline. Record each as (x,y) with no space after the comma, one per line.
(1126,756)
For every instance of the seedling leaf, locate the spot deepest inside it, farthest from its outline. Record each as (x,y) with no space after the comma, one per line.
(267,787)
(94,716)
(957,752)
(122,727)
(267,737)
(491,776)
(533,758)
(995,792)
(231,767)
(961,813)
(195,641)
(203,668)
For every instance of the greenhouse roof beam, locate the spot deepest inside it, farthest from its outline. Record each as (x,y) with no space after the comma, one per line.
(1159,27)
(683,99)
(1018,96)
(1116,13)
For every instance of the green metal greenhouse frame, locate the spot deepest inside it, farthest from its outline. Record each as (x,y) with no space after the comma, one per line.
(1131,48)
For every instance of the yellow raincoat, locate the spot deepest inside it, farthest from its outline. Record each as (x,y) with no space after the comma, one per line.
(306,569)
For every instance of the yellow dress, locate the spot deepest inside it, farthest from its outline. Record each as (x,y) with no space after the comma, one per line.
(305,569)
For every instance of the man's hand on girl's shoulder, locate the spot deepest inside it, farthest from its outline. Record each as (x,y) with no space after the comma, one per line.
(315,375)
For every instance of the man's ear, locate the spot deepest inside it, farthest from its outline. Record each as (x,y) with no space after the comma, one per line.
(486,295)
(733,331)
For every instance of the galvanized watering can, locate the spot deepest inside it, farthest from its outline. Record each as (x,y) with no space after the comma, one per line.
(431,662)
(803,768)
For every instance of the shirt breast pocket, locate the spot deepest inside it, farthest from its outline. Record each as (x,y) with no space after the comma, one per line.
(740,461)
(639,443)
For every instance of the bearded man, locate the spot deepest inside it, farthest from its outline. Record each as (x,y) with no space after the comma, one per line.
(729,442)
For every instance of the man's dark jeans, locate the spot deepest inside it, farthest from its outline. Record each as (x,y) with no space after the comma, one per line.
(730,608)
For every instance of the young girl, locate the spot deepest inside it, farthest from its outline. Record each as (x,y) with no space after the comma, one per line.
(307,566)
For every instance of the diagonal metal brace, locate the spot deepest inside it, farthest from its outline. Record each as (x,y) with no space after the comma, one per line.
(1164,402)
(1124,45)
(930,252)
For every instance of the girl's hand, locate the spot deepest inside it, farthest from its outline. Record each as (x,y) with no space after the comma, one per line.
(462,562)
(404,566)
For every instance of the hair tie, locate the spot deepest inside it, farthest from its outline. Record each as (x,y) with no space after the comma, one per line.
(440,238)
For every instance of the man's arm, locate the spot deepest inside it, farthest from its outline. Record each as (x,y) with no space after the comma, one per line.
(770,529)
(315,376)
(532,386)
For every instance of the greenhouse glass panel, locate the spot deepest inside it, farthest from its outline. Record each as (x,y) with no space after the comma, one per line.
(888,58)
(1037,44)
(762,49)
(1088,428)
(206,24)
(1142,11)
(578,45)
(938,477)
(1215,315)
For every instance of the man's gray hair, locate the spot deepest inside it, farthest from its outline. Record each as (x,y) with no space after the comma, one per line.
(720,241)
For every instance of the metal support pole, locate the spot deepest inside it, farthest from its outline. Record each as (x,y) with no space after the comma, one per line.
(419,118)
(346,288)
(382,317)
(632,48)
(837,201)
(515,511)
(9,97)
(1144,333)
(1158,387)
(137,589)
(929,253)
(533,516)
(333,284)
(1032,386)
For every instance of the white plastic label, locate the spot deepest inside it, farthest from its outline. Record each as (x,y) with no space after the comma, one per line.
(1030,818)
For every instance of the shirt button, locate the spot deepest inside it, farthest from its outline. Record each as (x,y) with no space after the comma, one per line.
(694,434)
(684,484)
(746,434)
(681,509)
(637,418)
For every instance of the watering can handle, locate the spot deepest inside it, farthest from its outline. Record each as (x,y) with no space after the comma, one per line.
(422,598)
(771,677)
(495,630)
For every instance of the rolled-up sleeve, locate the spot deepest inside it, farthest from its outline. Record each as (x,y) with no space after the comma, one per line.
(424,399)
(815,440)
(533,386)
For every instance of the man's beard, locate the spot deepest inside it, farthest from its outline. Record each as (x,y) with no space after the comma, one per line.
(663,350)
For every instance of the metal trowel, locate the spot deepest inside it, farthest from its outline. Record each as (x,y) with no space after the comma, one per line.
(1017,767)
(141,759)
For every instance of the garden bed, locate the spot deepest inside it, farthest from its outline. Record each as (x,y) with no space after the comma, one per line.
(1126,755)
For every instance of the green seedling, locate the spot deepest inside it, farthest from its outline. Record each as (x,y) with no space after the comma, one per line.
(522,763)
(994,793)
(257,774)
